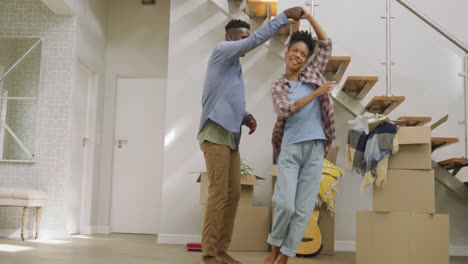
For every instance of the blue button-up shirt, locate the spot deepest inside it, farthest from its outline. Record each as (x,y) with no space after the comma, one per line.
(224,89)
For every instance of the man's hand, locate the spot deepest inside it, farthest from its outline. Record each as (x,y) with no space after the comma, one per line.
(294,12)
(251,123)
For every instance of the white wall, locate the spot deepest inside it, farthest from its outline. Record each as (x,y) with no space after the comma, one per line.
(137,45)
(91,52)
(427,65)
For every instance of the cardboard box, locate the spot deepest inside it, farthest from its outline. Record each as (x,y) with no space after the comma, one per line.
(415,149)
(402,238)
(251,229)
(411,191)
(247,189)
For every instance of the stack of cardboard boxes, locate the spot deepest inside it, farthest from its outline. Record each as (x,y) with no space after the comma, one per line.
(326,217)
(252,224)
(403,228)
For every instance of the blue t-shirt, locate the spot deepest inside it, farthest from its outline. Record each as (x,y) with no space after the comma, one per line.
(306,124)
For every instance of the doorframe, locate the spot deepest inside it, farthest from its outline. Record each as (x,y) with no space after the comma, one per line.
(114,123)
(87,180)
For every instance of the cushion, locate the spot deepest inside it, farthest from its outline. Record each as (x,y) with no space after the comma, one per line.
(22,202)
(22,194)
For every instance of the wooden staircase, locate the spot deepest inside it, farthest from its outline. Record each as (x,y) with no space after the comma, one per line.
(440,142)
(285,33)
(384,105)
(261,10)
(415,120)
(336,68)
(356,88)
(455,164)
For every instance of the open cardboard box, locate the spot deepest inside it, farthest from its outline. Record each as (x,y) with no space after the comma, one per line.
(247,189)
(415,149)
(251,229)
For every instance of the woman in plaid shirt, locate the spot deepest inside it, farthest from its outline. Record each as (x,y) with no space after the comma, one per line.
(302,136)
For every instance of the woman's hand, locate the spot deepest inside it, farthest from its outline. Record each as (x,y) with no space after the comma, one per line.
(305,14)
(324,88)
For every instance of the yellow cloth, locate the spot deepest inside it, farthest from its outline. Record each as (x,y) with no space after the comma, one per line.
(380,171)
(328,185)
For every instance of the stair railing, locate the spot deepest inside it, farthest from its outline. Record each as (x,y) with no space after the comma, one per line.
(388,60)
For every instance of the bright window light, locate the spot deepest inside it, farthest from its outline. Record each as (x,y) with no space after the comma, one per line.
(49,241)
(13,248)
(82,236)
(169,138)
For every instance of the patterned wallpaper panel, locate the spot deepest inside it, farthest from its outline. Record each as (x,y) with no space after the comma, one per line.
(31,18)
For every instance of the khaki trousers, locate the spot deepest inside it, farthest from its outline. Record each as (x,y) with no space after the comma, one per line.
(223,168)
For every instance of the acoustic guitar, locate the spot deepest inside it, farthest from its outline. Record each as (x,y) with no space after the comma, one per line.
(311,244)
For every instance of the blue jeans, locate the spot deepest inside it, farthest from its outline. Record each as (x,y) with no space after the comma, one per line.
(300,172)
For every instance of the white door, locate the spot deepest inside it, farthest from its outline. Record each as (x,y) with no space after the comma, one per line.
(138,155)
(82,148)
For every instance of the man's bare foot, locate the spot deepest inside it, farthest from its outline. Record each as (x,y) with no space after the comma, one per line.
(224,257)
(210,260)
(283,259)
(275,251)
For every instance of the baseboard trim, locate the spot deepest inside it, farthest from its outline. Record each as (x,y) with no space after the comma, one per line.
(459,251)
(345,246)
(100,230)
(86,230)
(177,239)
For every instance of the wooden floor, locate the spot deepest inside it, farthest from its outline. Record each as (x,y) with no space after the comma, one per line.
(129,249)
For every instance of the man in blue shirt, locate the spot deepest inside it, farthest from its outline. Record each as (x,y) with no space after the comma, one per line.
(223,115)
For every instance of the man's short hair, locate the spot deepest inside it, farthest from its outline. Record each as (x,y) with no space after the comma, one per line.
(237,23)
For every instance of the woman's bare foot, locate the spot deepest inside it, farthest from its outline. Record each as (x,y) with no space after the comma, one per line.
(283,259)
(275,251)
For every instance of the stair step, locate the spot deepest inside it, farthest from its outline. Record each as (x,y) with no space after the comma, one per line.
(336,68)
(283,33)
(384,104)
(439,122)
(259,8)
(357,87)
(455,164)
(439,142)
(415,120)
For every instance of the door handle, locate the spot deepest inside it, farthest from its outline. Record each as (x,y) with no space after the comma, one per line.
(85,141)
(121,142)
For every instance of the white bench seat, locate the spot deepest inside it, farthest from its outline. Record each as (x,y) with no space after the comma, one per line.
(27,199)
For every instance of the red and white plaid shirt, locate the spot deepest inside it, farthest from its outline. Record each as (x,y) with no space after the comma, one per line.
(312,73)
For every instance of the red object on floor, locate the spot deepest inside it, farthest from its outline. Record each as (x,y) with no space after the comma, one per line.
(193,246)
